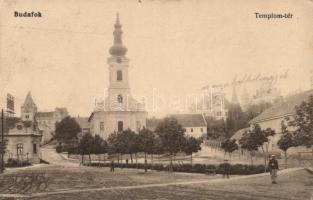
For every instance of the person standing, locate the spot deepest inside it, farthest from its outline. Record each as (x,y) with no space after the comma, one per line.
(226,171)
(112,166)
(273,167)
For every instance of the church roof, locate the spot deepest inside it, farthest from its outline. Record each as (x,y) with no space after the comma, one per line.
(29,101)
(234,98)
(280,110)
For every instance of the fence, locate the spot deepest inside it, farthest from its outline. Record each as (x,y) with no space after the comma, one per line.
(305,158)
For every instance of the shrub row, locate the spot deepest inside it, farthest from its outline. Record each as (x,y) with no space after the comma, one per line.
(68,148)
(17,163)
(236,169)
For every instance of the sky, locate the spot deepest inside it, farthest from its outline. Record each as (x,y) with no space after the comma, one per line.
(175,48)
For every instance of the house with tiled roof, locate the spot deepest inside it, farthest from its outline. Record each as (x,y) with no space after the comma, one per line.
(238,135)
(195,124)
(273,116)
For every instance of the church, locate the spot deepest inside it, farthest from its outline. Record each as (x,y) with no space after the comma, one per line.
(121,111)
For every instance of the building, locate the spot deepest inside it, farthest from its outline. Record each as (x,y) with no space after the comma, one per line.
(84,125)
(121,111)
(23,142)
(273,117)
(195,124)
(45,120)
(211,102)
(267,93)
(23,135)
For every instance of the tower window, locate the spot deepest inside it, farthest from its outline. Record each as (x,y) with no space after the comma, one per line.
(120,126)
(119,75)
(119,99)
(35,148)
(101,126)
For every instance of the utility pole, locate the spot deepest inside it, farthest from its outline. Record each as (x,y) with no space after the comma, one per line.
(2,141)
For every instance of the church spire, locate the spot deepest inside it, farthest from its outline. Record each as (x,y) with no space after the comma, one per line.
(118,49)
(234,98)
(29,100)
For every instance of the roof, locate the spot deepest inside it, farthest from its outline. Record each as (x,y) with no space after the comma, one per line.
(238,135)
(29,101)
(283,109)
(190,120)
(82,121)
(44,114)
(62,111)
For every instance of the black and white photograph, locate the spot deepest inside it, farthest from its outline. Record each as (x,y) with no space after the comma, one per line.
(156,99)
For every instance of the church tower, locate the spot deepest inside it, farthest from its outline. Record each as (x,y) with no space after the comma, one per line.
(119,89)
(28,109)
(121,111)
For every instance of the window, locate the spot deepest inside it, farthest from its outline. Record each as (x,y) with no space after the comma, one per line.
(26,116)
(138,126)
(201,129)
(119,99)
(119,126)
(119,75)
(101,126)
(191,130)
(19,149)
(35,148)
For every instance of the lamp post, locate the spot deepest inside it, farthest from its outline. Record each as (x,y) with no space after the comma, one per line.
(2,141)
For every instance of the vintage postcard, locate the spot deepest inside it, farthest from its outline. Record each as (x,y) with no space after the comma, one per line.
(156,99)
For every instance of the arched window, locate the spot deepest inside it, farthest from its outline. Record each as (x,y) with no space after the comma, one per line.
(119,99)
(120,126)
(119,75)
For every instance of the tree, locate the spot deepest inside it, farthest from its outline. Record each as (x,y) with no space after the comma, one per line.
(115,146)
(86,146)
(127,140)
(67,130)
(248,143)
(303,123)
(255,138)
(99,146)
(286,141)
(171,135)
(236,119)
(216,129)
(229,146)
(146,142)
(192,145)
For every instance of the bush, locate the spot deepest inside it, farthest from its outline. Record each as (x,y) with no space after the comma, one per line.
(68,148)
(17,163)
(236,169)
